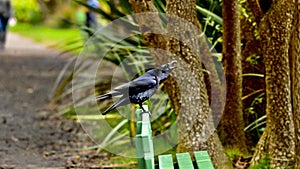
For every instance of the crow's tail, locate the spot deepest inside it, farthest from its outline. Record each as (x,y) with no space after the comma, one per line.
(121,102)
(108,95)
(105,96)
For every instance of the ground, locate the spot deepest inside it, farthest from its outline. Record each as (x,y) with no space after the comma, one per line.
(31,134)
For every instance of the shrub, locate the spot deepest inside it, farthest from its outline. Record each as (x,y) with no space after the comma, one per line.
(27,11)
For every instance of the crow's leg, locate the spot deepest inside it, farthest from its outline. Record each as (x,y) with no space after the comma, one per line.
(144,111)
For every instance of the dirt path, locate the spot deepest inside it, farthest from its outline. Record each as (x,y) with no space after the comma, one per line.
(31,136)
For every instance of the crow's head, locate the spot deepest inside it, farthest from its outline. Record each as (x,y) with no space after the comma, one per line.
(165,70)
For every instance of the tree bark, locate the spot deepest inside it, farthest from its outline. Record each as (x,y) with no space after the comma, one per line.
(191,100)
(295,80)
(278,141)
(232,123)
(256,10)
(194,99)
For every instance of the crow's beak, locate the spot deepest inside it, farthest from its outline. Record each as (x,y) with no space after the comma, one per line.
(171,64)
(174,67)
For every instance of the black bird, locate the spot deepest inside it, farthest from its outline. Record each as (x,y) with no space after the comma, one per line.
(140,89)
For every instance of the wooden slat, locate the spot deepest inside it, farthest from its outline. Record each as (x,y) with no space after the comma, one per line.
(184,161)
(165,161)
(202,159)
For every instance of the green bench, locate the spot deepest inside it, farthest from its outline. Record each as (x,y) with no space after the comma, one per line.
(145,152)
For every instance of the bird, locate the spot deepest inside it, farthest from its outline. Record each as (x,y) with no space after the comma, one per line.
(140,89)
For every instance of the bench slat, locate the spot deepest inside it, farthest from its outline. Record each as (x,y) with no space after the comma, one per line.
(165,161)
(202,159)
(184,161)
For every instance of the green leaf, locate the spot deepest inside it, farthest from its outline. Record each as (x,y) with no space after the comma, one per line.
(206,12)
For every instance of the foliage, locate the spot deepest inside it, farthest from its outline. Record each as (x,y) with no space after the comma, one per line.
(64,19)
(63,39)
(254,112)
(262,164)
(27,11)
(210,16)
(233,153)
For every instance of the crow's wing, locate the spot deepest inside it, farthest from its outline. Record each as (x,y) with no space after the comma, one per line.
(138,85)
(141,80)
(121,102)
(143,84)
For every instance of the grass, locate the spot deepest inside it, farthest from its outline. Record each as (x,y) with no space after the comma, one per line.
(62,39)
(262,164)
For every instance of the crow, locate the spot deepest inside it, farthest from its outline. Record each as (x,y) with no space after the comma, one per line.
(140,89)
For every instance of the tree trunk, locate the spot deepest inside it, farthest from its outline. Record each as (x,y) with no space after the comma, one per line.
(295,78)
(191,100)
(195,118)
(232,123)
(278,141)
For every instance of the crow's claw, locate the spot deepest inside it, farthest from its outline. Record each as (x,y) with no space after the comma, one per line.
(146,112)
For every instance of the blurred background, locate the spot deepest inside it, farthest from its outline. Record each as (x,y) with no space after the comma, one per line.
(64,26)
